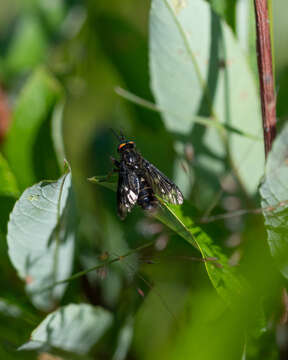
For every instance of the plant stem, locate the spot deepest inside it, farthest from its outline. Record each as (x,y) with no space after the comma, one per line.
(99,266)
(5,114)
(265,69)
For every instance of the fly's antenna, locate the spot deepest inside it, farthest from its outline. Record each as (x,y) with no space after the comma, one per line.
(120,138)
(122,135)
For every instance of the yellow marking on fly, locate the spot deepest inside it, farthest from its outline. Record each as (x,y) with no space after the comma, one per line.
(121,145)
(130,142)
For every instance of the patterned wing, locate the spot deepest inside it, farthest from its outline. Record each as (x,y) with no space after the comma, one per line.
(127,192)
(161,185)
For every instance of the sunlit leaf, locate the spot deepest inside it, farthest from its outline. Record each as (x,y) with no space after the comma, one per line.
(221,274)
(198,68)
(274,193)
(179,219)
(34,105)
(41,238)
(74,328)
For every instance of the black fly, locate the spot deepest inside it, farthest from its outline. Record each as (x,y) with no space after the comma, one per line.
(139,181)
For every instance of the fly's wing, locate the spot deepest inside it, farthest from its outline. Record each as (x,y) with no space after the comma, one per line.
(127,192)
(161,185)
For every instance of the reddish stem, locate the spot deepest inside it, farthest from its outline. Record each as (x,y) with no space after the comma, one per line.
(5,114)
(265,68)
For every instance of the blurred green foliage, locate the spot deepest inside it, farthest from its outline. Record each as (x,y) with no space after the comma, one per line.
(60,62)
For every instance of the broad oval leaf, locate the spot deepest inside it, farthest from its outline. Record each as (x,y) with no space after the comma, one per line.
(41,239)
(35,103)
(198,68)
(74,328)
(274,193)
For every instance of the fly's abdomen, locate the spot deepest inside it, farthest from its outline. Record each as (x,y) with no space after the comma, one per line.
(146,198)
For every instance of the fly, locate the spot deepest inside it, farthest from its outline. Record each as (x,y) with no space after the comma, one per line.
(139,181)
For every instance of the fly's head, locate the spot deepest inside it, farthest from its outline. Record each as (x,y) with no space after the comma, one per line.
(125,145)
(126,149)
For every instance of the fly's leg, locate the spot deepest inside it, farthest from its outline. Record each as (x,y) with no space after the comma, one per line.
(115,162)
(111,172)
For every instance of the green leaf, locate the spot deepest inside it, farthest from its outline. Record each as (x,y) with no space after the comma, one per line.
(74,328)
(34,106)
(41,238)
(196,119)
(8,193)
(13,307)
(28,46)
(226,9)
(198,68)
(16,323)
(54,12)
(274,193)
(178,218)
(108,182)
(124,340)
(221,274)
(246,32)
(8,184)
(57,133)
(8,309)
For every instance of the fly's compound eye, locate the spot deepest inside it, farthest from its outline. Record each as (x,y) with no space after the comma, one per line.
(129,144)
(121,146)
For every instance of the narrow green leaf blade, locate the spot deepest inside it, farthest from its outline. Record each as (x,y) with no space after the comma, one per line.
(28,46)
(8,184)
(198,68)
(109,183)
(74,328)
(8,194)
(57,133)
(124,340)
(178,218)
(274,190)
(221,274)
(41,239)
(34,106)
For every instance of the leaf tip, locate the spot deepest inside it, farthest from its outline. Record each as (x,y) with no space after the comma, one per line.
(93,179)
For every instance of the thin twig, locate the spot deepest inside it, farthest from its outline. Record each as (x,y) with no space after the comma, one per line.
(241,212)
(265,69)
(151,287)
(204,121)
(97,267)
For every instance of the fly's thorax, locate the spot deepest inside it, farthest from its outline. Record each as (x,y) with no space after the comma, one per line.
(130,158)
